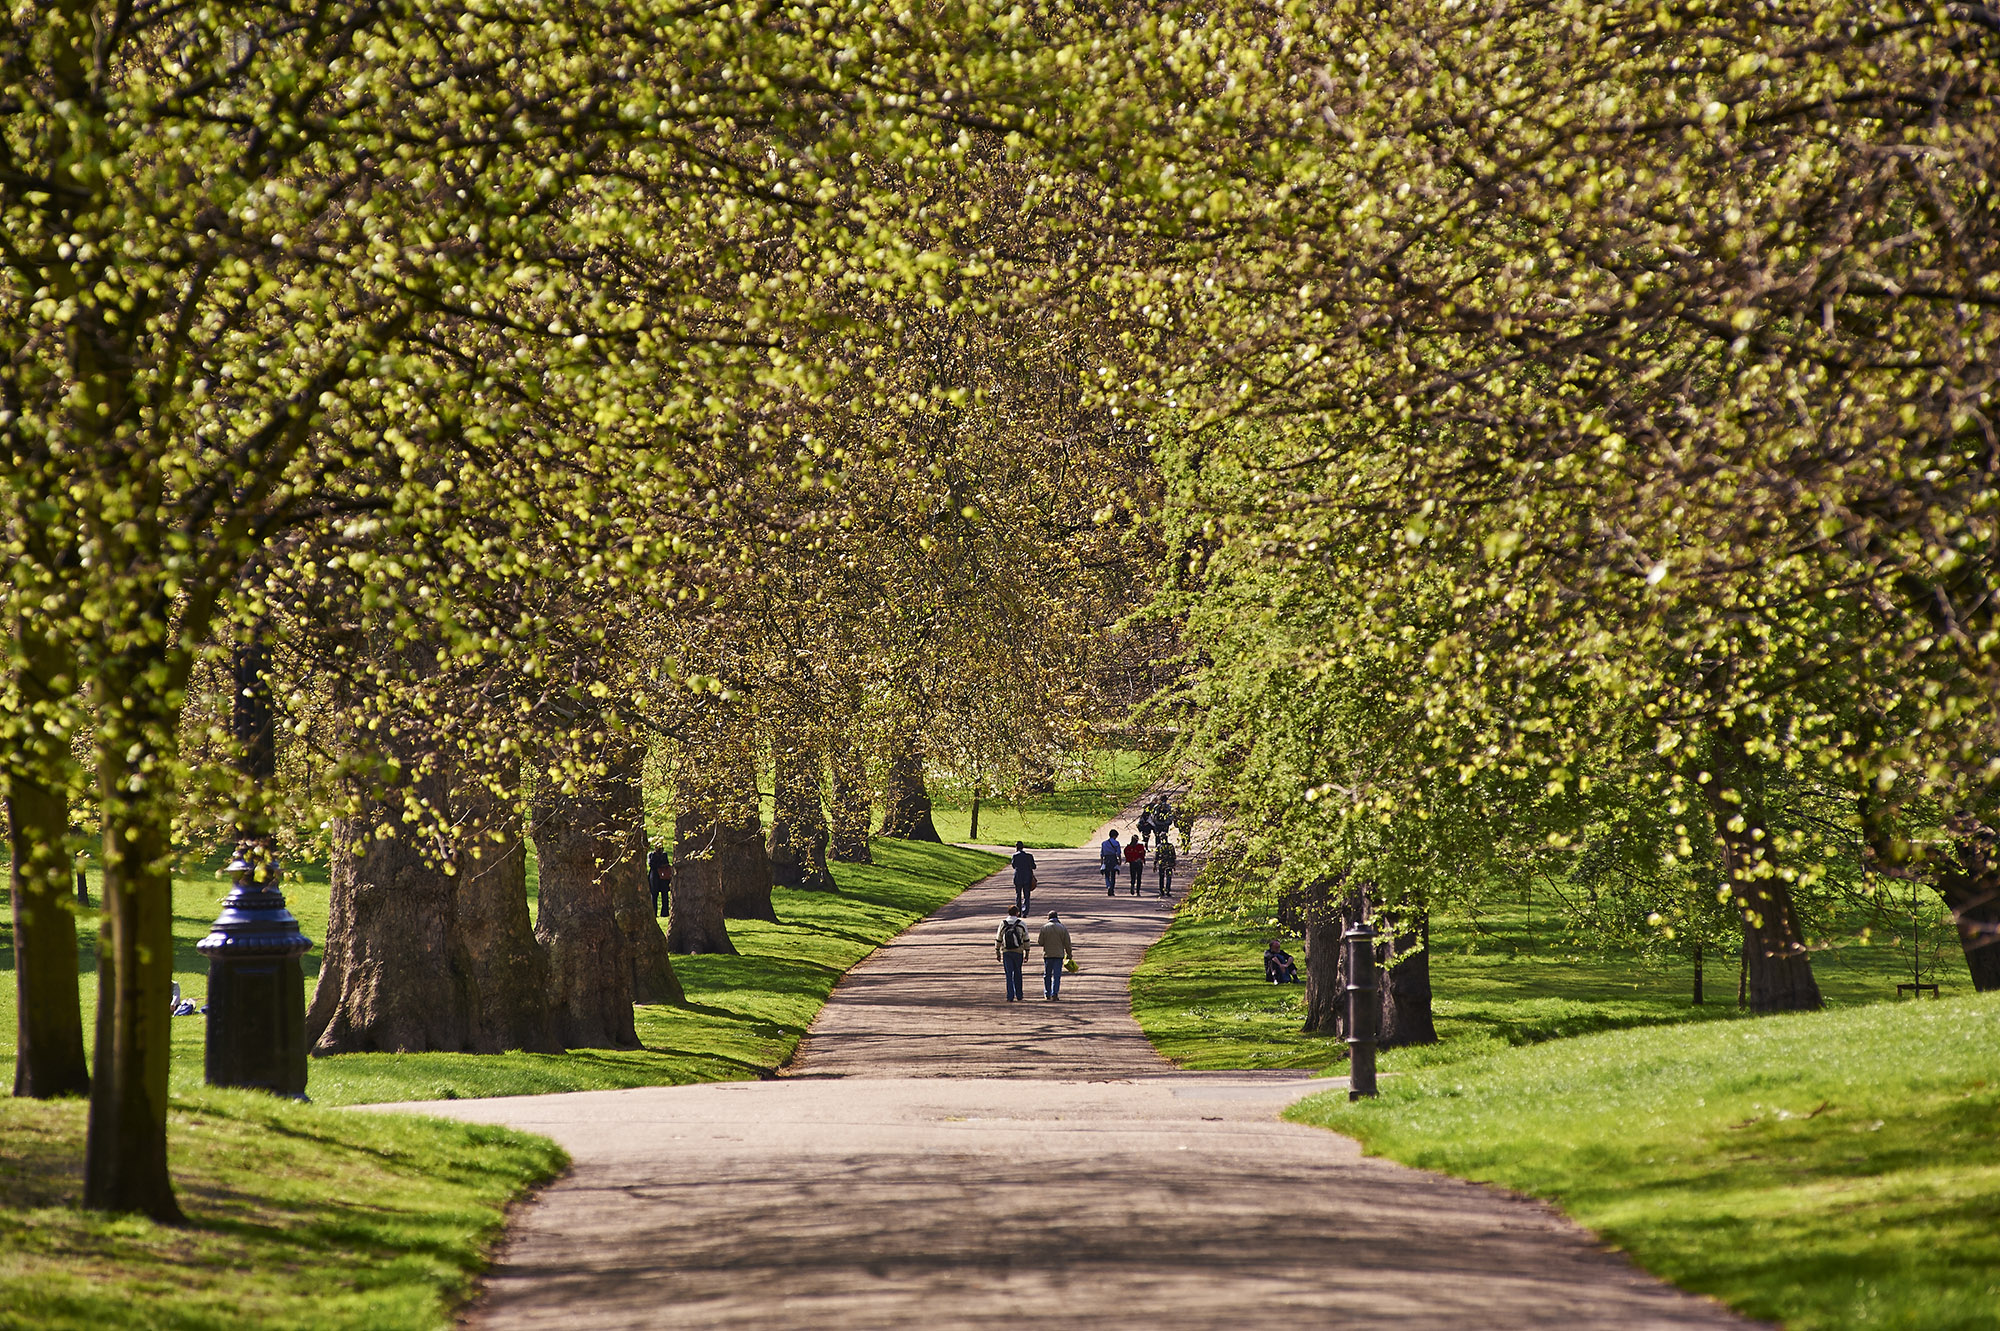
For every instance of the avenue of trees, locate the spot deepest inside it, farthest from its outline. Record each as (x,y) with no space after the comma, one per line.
(1568,428)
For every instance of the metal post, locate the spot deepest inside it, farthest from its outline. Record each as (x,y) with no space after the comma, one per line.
(1363,1009)
(256,985)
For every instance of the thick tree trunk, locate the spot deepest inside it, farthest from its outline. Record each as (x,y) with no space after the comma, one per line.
(909,804)
(695,922)
(624,862)
(1323,995)
(49,1054)
(1406,980)
(590,957)
(745,870)
(397,976)
(125,1153)
(1971,890)
(1777,966)
(851,814)
(510,968)
(797,845)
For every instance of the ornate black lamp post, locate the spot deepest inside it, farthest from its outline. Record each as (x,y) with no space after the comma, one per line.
(1363,1009)
(256,986)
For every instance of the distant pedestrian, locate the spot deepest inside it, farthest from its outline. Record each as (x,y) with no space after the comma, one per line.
(1164,860)
(1135,860)
(660,879)
(1056,950)
(1146,826)
(1010,945)
(1112,854)
(1279,968)
(1024,877)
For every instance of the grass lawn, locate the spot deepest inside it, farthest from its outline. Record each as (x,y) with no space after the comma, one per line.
(1511,975)
(1829,1170)
(302,1217)
(744,1016)
(1064,818)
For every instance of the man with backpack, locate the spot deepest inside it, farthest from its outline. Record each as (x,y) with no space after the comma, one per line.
(1165,858)
(1112,853)
(660,879)
(1146,826)
(1010,945)
(1024,876)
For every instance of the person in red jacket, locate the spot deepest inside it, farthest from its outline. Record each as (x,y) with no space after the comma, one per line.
(1135,862)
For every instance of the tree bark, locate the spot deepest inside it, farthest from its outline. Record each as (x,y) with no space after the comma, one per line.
(1405,980)
(1971,890)
(48,1057)
(909,804)
(695,921)
(125,1152)
(590,957)
(1319,924)
(745,870)
(851,813)
(397,977)
(1777,966)
(624,862)
(510,968)
(798,841)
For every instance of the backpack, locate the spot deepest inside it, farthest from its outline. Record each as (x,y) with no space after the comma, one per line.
(1013,936)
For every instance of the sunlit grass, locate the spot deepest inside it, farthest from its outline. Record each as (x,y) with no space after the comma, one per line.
(1066,817)
(301,1217)
(1830,1170)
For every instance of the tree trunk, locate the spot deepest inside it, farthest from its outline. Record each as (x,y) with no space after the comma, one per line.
(695,920)
(797,846)
(745,870)
(1777,966)
(1323,995)
(1405,980)
(909,804)
(49,1054)
(851,812)
(510,969)
(624,862)
(1697,974)
(397,976)
(125,1153)
(1971,890)
(590,957)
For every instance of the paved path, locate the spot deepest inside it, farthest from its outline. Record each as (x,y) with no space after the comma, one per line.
(940,1158)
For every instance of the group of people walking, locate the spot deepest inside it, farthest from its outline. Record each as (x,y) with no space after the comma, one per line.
(1015,939)
(1133,854)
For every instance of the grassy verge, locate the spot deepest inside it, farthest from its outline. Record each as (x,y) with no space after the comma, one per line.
(1511,975)
(743,1019)
(1066,817)
(302,1217)
(1830,1170)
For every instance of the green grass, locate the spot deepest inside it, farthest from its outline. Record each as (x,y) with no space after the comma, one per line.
(1834,1170)
(744,1016)
(302,1217)
(1509,975)
(1066,817)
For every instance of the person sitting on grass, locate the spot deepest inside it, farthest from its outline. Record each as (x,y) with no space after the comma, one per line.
(1279,968)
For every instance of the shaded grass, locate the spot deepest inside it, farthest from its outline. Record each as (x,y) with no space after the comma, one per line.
(744,1018)
(1066,817)
(301,1217)
(1829,1170)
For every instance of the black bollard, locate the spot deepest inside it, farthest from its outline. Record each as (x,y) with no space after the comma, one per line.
(1364,1009)
(256,985)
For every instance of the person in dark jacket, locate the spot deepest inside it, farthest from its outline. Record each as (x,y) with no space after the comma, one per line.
(660,878)
(1279,968)
(1024,877)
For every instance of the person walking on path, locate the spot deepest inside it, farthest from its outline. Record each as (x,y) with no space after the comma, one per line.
(1056,950)
(1164,858)
(1146,826)
(1024,877)
(1010,945)
(1112,853)
(660,878)
(1135,860)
